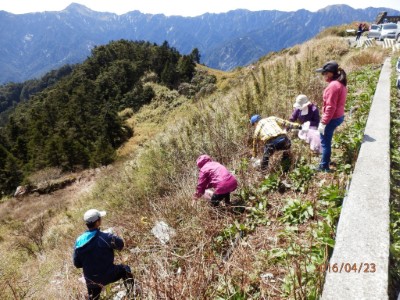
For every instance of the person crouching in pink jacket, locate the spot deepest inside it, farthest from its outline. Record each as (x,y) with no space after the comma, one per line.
(214,175)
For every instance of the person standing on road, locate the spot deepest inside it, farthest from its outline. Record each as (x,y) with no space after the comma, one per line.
(94,252)
(359,31)
(334,100)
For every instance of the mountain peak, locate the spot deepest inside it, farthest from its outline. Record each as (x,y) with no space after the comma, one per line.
(223,39)
(335,7)
(78,8)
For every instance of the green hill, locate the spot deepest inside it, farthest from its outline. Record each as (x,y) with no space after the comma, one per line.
(74,123)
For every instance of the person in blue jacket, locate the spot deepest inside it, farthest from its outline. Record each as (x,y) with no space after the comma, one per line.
(94,252)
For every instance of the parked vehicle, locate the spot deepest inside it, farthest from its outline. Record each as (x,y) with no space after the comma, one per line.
(389,31)
(374,31)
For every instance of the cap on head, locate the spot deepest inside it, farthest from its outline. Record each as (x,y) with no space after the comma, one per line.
(92,215)
(330,66)
(301,101)
(254,119)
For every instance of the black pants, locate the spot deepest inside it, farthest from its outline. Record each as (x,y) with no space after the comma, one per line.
(120,272)
(94,291)
(281,142)
(216,198)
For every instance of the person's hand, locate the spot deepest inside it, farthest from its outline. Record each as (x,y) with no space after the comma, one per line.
(194,199)
(255,162)
(321,128)
(118,231)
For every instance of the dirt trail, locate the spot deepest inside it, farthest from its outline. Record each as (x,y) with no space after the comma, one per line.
(32,205)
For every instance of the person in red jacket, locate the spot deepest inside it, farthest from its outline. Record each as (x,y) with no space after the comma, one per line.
(334,100)
(214,175)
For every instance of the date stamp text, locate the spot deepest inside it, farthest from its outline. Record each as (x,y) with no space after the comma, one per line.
(348,267)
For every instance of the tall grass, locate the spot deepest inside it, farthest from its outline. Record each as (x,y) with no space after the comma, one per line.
(157,181)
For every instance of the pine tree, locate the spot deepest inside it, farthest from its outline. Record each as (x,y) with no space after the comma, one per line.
(195,55)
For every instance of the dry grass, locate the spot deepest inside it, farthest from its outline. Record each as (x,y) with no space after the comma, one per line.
(369,56)
(155,181)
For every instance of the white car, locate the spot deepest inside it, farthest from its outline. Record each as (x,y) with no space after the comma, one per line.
(389,31)
(374,31)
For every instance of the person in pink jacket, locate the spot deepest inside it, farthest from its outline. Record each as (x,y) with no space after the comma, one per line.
(334,98)
(214,175)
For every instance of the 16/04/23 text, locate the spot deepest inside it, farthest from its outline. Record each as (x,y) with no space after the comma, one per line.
(361,267)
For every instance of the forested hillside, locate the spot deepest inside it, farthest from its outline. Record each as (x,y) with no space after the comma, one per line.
(74,123)
(13,93)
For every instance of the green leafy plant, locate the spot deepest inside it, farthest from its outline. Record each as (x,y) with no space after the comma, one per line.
(257,214)
(331,193)
(349,141)
(270,183)
(394,268)
(297,212)
(300,178)
(229,233)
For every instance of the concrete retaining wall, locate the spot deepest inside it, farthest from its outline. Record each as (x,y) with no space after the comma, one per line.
(361,252)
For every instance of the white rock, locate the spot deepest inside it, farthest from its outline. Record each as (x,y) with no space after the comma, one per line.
(163,232)
(267,276)
(120,295)
(21,190)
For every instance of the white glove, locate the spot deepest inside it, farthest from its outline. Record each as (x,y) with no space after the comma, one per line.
(321,128)
(255,162)
(305,126)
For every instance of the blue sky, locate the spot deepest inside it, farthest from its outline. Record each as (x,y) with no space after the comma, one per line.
(182,7)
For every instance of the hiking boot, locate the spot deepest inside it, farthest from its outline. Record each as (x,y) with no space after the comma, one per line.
(132,288)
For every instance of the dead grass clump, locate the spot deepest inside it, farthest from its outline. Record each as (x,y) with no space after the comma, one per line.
(294,50)
(15,281)
(182,269)
(126,113)
(331,47)
(189,278)
(45,176)
(31,238)
(339,31)
(369,56)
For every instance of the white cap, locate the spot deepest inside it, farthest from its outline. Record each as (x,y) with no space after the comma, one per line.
(301,102)
(92,215)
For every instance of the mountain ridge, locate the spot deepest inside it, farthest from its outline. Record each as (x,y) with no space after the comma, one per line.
(35,43)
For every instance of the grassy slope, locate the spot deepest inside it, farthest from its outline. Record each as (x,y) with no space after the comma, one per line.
(155,180)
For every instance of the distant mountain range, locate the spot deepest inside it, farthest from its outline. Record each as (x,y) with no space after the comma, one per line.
(34,43)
